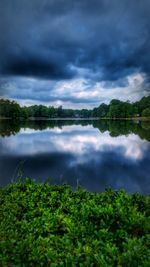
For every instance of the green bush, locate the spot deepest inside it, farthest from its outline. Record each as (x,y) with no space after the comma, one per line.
(43,225)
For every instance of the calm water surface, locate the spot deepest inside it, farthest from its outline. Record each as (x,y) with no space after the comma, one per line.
(95,154)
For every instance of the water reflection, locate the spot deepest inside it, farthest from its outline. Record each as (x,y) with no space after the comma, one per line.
(97,154)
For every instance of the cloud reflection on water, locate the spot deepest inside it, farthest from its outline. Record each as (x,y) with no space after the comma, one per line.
(74,152)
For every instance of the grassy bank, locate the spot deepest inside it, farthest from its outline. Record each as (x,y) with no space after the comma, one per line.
(43,225)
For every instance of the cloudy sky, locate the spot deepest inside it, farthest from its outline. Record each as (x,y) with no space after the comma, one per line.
(74,53)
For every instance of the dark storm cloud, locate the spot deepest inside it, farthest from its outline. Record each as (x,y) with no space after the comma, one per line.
(38,67)
(52,39)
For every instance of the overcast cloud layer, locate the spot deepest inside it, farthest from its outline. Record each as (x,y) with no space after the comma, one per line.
(75,53)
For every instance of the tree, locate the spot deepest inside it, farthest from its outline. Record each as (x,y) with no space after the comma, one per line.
(116,109)
(60,111)
(102,110)
(146,112)
(143,104)
(9,109)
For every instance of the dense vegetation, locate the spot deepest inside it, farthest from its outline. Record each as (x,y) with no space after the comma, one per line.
(116,109)
(43,225)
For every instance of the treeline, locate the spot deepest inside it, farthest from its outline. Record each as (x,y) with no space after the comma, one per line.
(12,109)
(115,109)
(120,109)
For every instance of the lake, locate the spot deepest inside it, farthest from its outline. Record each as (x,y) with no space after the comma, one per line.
(94,154)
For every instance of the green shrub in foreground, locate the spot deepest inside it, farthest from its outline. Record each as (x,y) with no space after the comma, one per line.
(43,225)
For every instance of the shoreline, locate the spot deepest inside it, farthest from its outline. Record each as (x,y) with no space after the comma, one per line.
(76,119)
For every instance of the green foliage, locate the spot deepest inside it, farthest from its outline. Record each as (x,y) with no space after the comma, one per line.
(101,111)
(43,225)
(9,109)
(143,104)
(119,109)
(116,109)
(146,112)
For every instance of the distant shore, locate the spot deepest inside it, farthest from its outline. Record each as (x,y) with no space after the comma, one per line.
(76,119)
